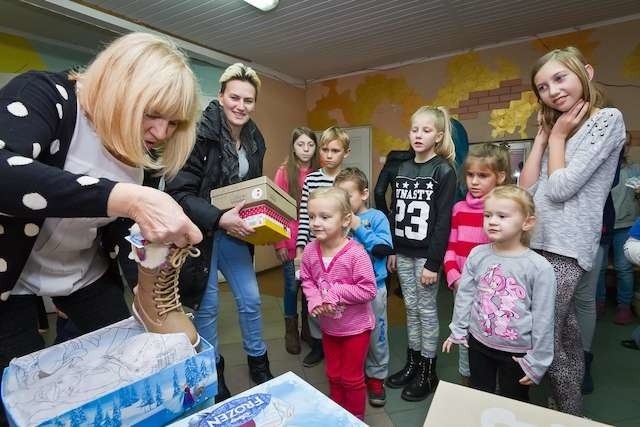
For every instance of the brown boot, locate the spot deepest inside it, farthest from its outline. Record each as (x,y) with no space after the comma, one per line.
(156,302)
(291,339)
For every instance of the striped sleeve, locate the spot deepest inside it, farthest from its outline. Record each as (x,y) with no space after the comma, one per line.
(360,283)
(313,181)
(451,268)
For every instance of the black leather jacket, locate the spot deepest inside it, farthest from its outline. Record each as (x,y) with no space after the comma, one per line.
(204,171)
(385,179)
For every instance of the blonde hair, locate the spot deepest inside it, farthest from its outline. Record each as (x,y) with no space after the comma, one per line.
(335,133)
(291,164)
(140,74)
(239,71)
(522,198)
(337,194)
(493,156)
(573,59)
(445,148)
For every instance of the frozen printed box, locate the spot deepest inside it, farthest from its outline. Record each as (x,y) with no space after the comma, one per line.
(108,377)
(286,400)
(268,209)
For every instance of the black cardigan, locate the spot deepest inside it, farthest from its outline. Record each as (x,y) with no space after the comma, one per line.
(192,186)
(37,120)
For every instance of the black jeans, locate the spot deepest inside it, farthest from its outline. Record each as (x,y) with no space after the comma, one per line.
(485,363)
(90,308)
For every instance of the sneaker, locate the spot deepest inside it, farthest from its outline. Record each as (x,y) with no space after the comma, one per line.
(315,356)
(623,316)
(601,309)
(376,392)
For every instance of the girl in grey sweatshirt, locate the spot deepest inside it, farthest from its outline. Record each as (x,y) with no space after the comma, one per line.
(504,306)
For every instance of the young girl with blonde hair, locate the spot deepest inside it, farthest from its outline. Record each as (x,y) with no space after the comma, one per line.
(339,283)
(569,172)
(424,191)
(504,305)
(486,166)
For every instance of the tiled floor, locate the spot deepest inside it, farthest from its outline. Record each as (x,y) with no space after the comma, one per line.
(615,401)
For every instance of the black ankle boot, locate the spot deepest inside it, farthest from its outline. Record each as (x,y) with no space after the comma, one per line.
(406,374)
(259,368)
(223,391)
(587,380)
(316,354)
(424,383)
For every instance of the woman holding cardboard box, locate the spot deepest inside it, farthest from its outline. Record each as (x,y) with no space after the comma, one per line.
(229,149)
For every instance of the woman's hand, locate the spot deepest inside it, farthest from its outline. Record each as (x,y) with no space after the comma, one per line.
(282,254)
(428,277)
(160,218)
(234,224)
(569,120)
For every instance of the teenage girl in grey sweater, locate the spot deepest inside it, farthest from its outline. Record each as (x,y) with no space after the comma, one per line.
(569,172)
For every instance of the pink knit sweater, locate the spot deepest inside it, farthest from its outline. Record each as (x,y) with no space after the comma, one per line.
(466,233)
(348,283)
(281,180)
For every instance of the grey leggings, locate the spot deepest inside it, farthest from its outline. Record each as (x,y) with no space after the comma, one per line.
(423,326)
(567,369)
(586,301)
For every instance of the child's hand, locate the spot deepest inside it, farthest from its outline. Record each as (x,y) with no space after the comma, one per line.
(447,345)
(524,380)
(355,222)
(542,137)
(392,263)
(428,277)
(282,254)
(454,285)
(568,120)
(323,309)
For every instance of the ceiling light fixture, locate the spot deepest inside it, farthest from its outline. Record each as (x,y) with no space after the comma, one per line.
(263,5)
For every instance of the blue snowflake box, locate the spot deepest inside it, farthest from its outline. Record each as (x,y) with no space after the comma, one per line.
(286,400)
(116,376)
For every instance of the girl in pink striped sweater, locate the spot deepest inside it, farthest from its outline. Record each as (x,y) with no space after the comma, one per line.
(486,166)
(339,283)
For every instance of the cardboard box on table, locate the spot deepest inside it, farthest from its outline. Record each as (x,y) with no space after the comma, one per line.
(455,406)
(283,401)
(151,401)
(268,208)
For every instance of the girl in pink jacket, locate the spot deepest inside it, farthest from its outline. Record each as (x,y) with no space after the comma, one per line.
(302,159)
(339,284)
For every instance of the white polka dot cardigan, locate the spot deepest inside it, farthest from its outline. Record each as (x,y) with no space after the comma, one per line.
(37,119)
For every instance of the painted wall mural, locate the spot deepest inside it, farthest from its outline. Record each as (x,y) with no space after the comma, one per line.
(488,91)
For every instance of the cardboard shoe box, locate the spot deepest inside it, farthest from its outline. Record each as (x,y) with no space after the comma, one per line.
(286,400)
(490,410)
(60,399)
(253,192)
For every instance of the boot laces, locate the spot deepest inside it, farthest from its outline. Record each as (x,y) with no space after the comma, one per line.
(166,293)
